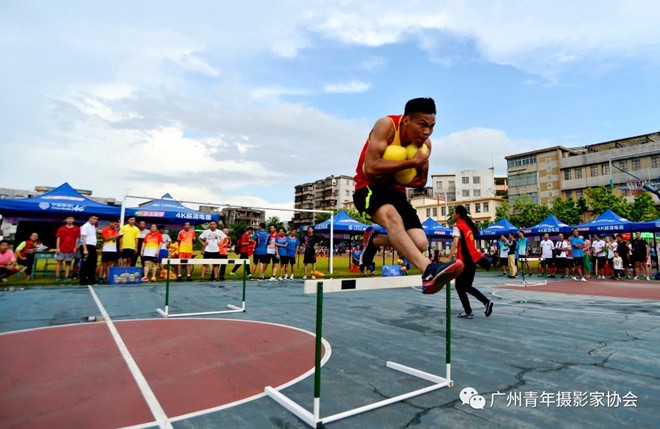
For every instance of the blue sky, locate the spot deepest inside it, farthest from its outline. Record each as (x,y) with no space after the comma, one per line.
(214,101)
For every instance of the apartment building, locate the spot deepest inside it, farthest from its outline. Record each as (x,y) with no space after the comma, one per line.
(545,174)
(467,184)
(330,193)
(480,209)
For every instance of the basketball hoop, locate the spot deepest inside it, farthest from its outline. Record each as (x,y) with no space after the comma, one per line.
(635,187)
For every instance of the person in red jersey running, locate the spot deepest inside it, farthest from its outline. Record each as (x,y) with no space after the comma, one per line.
(380,196)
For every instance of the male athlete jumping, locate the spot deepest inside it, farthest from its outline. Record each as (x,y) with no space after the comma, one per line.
(380,198)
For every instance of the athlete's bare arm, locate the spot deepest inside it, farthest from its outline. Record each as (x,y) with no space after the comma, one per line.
(374,164)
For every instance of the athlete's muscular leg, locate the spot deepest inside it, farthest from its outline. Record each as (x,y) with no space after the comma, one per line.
(409,243)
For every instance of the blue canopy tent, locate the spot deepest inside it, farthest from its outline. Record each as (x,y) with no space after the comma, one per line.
(343,224)
(63,200)
(170,211)
(550,225)
(649,226)
(607,222)
(434,230)
(496,229)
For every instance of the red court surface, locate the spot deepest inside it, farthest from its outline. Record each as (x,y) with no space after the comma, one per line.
(619,289)
(75,377)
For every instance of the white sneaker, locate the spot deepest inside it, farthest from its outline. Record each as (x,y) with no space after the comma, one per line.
(279,279)
(272,279)
(635,278)
(575,279)
(285,276)
(583,279)
(305,277)
(313,277)
(291,278)
(648,278)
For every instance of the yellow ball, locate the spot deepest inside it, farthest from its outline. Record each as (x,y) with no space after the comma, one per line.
(411,150)
(395,153)
(405,176)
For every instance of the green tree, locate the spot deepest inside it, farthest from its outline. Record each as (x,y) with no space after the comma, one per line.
(276,222)
(525,212)
(353,213)
(601,198)
(236,230)
(567,211)
(502,211)
(643,208)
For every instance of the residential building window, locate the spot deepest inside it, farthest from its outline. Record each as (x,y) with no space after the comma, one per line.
(623,164)
(518,162)
(452,185)
(605,169)
(594,170)
(465,180)
(428,213)
(476,192)
(476,180)
(567,174)
(467,207)
(578,194)
(578,172)
(635,164)
(444,211)
(522,179)
(477,207)
(486,207)
(569,194)
(466,192)
(439,184)
(655,161)
(435,212)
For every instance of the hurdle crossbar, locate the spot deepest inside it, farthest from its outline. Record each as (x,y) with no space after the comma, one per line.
(231,308)
(525,283)
(314,418)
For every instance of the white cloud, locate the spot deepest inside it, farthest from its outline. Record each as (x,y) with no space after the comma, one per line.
(347,87)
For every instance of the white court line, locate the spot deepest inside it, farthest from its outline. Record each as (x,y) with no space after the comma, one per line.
(148,394)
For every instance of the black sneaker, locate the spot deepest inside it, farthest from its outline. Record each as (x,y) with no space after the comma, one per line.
(369,250)
(436,275)
(179,278)
(489,309)
(188,278)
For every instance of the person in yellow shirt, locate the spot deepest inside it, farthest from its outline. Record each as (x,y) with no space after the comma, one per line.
(129,234)
(186,239)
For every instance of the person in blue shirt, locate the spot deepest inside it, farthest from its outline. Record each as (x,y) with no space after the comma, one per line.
(261,256)
(577,247)
(292,245)
(522,251)
(281,242)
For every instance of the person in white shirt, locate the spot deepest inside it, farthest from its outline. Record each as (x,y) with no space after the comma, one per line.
(617,263)
(600,256)
(164,248)
(612,246)
(211,239)
(561,260)
(90,258)
(547,247)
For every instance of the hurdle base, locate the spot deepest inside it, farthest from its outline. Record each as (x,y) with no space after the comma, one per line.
(232,309)
(525,283)
(316,422)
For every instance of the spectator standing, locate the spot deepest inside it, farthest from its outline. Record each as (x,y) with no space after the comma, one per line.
(587,257)
(640,254)
(292,246)
(617,263)
(244,248)
(149,252)
(142,227)
(66,239)
(522,251)
(8,264)
(624,252)
(547,256)
(503,246)
(109,254)
(225,245)
(611,248)
(90,257)
(26,251)
(271,249)
(128,243)
(577,247)
(281,242)
(186,239)
(164,251)
(599,250)
(310,241)
(513,266)
(210,240)
(261,256)
(561,256)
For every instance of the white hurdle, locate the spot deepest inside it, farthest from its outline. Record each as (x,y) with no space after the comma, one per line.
(314,418)
(232,308)
(525,283)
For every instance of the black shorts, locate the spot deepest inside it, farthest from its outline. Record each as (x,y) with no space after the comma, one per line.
(545,262)
(561,263)
(153,259)
(211,255)
(109,256)
(601,262)
(637,258)
(504,261)
(370,198)
(310,258)
(127,253)
(262,259)
(284,260)
(578,261)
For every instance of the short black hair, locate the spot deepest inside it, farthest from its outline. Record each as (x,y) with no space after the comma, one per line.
(4,241)
(161,226)
(420,105)
(114,219)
